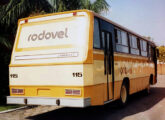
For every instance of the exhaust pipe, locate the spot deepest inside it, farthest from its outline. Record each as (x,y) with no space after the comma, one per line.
(25,101)
(58,102)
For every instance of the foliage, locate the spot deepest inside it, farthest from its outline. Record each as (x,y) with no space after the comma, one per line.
(63,5)
(98,6)
(161,54)
(149,38)
(16,9)
(4,42)
(3,2)
(4,62)
(8,107)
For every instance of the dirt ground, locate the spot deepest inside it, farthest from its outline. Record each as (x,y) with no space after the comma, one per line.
(139,107)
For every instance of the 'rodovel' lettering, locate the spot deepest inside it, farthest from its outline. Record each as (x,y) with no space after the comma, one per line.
(49,35)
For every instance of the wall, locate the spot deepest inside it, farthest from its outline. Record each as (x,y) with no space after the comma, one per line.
(161,69)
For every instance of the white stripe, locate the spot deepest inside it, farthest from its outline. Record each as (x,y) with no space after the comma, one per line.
(47,56)
(70,102)
(50,17)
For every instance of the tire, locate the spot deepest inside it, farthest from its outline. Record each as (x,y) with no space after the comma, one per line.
(123,95)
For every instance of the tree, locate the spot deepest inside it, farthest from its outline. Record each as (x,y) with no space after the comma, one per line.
(63,5)
(16,9)
(161,54)
(3,2)
(149,38)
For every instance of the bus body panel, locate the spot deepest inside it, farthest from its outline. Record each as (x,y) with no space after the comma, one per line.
(136,68)
(60,75)
(44,52)
(52,41)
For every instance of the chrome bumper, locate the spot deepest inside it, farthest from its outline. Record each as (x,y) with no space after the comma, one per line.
(70,102)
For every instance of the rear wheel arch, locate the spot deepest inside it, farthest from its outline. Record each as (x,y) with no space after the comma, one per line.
(127,82)
(147,90)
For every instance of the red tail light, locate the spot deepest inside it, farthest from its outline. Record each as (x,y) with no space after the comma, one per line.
(74,13)
(17,91)
(76,92)
(26,20)
(72,92)
(68,92)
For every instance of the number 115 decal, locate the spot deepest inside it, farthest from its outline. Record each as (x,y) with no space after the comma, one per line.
(77,74)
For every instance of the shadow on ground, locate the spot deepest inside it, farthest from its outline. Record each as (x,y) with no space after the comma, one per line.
(138,102)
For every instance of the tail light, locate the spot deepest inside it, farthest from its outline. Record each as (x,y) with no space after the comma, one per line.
(17,91)
(76,92)
(73,92)
(68,92)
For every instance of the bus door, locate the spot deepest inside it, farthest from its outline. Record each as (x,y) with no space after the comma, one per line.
(108,63)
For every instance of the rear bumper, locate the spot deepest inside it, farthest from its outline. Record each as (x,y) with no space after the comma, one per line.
(70,102)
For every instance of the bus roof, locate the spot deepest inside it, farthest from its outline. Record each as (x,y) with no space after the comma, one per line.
(95,14)
(123,28)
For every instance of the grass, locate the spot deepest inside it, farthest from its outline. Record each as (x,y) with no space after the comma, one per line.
(8,107)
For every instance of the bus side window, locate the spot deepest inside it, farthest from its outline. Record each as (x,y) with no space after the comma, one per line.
(121,41)
(134,44)
(96,36)
(143,46)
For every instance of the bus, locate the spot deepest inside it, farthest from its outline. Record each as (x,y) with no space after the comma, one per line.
(78,59)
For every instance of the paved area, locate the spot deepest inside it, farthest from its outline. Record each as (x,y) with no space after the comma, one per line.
(23,114)
(139,107)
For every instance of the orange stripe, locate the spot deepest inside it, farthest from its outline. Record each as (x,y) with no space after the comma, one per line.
(98,57)
(122,58)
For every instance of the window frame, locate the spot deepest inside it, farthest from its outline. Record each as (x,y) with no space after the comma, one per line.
(120,44)
(130,36)
(142,47)
(100,36)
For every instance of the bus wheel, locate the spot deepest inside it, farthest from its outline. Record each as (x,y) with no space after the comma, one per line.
(123,94)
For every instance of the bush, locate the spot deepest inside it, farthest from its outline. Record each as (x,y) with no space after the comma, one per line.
(4,79)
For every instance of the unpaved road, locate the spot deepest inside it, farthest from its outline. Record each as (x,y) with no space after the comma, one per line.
(139,107)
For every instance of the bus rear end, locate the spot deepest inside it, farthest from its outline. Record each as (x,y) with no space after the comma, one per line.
(51,61)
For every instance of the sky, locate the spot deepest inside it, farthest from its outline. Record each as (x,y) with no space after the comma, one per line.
(145,17)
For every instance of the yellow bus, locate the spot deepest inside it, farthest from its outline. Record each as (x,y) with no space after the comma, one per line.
(78,59)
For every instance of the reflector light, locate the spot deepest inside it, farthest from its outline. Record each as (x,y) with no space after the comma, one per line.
(74,13)
(76,92)
(72,92)
(17,91)
(26,20)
